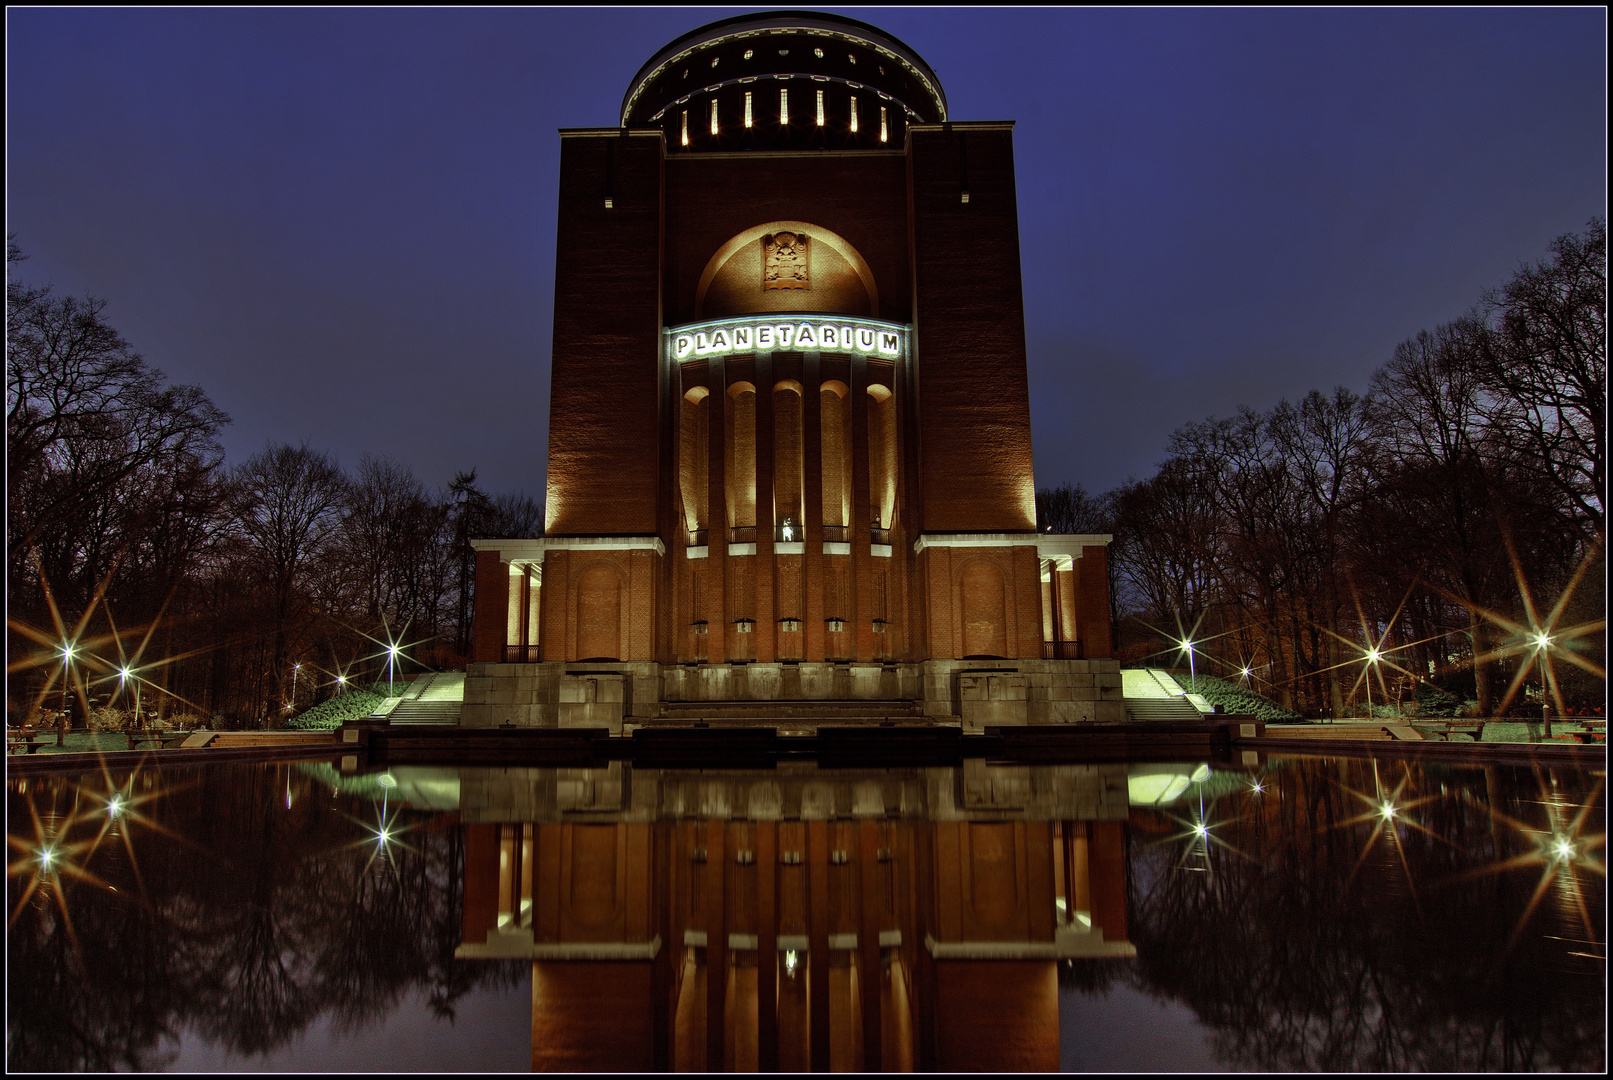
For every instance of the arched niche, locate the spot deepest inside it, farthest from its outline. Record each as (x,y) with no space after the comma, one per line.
(839,279)
(788,475)
(694,459)
(882,454)
(835,449)
(740,455)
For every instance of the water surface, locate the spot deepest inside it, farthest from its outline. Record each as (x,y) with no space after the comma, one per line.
(1308,914)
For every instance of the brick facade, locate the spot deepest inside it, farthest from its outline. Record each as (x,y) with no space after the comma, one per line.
(904,481)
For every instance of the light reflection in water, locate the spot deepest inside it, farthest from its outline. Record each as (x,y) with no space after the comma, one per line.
(1340,914)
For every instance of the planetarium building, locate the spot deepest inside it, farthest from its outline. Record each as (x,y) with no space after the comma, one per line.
(789,475)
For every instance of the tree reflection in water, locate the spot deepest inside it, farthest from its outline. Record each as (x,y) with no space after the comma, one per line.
(1320,914)
(260,919)
(1349,943)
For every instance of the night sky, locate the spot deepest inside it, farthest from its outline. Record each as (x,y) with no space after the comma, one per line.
(340,223)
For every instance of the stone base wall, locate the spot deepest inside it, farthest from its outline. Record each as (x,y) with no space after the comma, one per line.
(793,682)
(1008,692)
(976,692)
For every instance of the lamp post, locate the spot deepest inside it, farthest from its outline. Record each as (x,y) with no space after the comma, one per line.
(1372,658)
(1542,644)
(66,721)
(124,675)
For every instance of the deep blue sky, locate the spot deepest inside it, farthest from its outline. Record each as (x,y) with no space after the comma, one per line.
(340,223)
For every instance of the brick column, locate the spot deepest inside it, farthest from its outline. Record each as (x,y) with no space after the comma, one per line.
(490,619)
(556,637)
(1092,602)
(717,515)
(861,561)
(766,571)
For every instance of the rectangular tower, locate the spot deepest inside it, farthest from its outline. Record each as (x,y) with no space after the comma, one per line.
(789,445)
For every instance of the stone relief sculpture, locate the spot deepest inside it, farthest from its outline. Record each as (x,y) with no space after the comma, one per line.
(785,261)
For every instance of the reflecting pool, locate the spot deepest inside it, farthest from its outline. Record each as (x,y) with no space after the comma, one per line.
(1303,914)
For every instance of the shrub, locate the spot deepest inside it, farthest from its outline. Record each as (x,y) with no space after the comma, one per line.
(1239,700)
(1433,701)
(353,705)
(107,718)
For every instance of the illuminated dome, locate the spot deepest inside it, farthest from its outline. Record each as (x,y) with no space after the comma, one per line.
(784,80)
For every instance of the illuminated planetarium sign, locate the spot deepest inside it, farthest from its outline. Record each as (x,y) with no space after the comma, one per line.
(767,333)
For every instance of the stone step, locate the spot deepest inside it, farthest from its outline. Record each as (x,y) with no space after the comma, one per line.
(445,686)
(1173,708)
(425,712)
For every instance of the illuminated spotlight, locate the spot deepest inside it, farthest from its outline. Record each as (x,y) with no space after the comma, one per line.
(125,673)
(393,649)
(1542,641)
(1564,848)
(1246,673)
(1372,656)
(386,780)
(791,961)
(46,856)
(342,679)
(1388,810)
(1202,829)
(1256,788)
(114,807)
(68,650)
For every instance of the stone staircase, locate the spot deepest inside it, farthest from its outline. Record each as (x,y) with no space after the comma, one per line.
(1154,695)
(431,699)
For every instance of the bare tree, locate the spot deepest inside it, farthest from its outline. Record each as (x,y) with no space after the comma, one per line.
(291,498)
(1543,378)
(1426,411)
(84,412)
(514,516)
(1328,445)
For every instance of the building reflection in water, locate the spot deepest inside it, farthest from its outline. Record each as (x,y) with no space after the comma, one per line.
(884,920)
